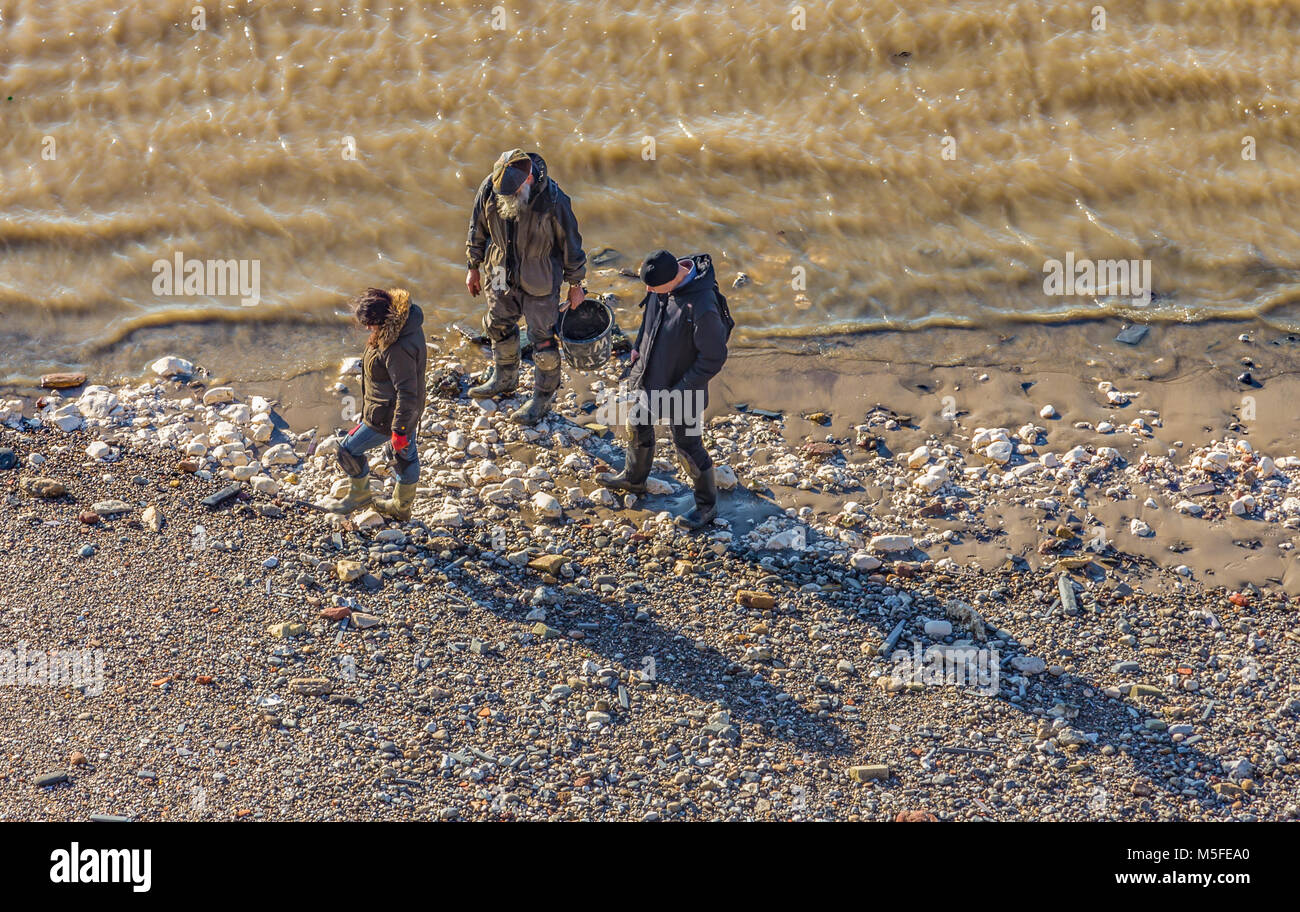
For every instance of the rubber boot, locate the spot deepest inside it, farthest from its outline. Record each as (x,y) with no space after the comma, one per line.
(359,495)
(636,469)
(399,506)
(534,410)
(504,377)
(706,501)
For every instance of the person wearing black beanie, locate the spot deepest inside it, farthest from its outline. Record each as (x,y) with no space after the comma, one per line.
(681,345)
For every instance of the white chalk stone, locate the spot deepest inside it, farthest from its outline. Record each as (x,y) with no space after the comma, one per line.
(280,454)
(890,543)
(487,471)
(861,560)
(725,476)
(938,629)
(264,484)
(171,366)
(933,479)
(547,506)
(603,497)
(218,395)
(368,520)
(66,418)
(98,402)
(657,486)
(789,540)
(999,451)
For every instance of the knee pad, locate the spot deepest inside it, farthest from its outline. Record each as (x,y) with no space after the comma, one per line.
(546,356)
(354,466)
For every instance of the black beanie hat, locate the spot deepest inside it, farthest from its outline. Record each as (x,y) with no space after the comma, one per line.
(659,268)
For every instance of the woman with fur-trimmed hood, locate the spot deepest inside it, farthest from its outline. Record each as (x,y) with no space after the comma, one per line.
(392,395)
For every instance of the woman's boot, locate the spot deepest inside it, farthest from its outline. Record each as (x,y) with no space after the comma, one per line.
(358,496)
(399,506)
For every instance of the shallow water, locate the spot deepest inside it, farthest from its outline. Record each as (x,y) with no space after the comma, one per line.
(814,160)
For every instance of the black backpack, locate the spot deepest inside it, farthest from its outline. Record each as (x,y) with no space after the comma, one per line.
(723,310)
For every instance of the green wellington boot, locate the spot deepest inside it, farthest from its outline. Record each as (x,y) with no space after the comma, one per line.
(399,505)
(358,496)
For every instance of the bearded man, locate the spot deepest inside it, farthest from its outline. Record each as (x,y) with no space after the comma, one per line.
(523,241)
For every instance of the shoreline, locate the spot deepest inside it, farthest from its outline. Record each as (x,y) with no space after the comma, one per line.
(497,650)
(1182,397)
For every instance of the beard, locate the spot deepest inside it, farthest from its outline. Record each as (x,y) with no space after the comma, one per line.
(510,206)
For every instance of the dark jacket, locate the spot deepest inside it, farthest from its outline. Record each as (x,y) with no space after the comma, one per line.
(538,249)
(392,370)
(682,342)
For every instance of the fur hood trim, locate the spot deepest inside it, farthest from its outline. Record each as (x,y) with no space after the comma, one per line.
(387,334)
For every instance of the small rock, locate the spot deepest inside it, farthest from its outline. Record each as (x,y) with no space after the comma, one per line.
(111,507)
(546,506)
(753,598)
(892,543)
(152,518)
(349,570)
(311,687)
(62,380)
(171,366)
(938,629)
(867,773)
(46,488)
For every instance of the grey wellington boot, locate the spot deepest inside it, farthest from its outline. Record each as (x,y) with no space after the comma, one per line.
(504,377)
(545,384)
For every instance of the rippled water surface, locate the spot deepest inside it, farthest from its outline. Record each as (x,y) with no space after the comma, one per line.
(811,156)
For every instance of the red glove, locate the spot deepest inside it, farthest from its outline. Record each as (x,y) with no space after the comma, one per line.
(400,442)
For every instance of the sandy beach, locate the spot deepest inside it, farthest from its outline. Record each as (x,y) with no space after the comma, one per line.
(529,648)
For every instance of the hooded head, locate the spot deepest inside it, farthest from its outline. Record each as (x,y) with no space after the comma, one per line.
(382,312)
